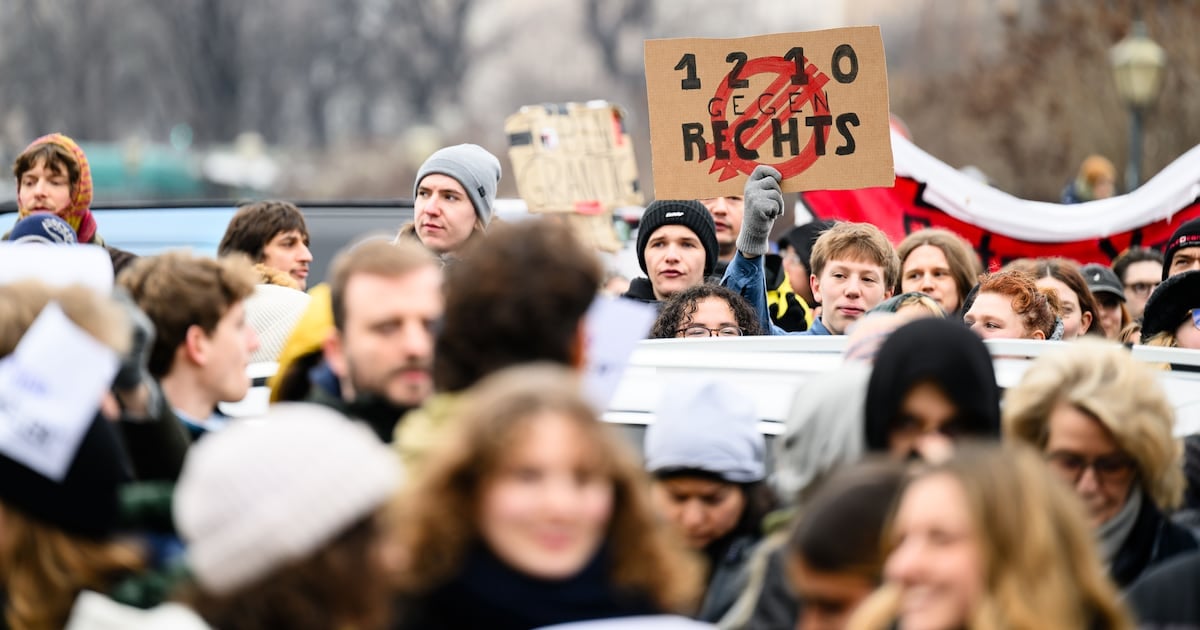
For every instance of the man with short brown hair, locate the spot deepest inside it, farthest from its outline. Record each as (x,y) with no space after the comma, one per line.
(202,345)
(386,300)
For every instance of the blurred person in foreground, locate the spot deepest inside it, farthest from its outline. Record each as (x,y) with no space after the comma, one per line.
(988,539)
(275,541)
(519,296)
(708,461)
(532,512)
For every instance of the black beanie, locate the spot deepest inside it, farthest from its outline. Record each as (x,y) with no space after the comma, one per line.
(1168,306)
(802,237)
(1186,235)
(86,501)
(691,215)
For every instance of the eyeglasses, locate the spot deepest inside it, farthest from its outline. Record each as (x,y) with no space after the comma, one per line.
(1142,288)
(1109,469)
(697,332)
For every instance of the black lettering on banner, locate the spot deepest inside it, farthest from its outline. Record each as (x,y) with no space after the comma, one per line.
(720,132)
(796,56)
(737,98)
(718,103)
(693,135)
(845,51)
(688,62)
(843,122)
(778,136)
(764,103)
(743,151)
(738,59)
(820,122)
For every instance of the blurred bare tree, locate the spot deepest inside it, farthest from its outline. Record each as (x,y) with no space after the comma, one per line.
(1028,114)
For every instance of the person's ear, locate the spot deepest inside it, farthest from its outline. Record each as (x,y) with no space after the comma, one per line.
(1037,334)
(578,352)
(195,345)
(815,283)
(334,350)
(1087,322)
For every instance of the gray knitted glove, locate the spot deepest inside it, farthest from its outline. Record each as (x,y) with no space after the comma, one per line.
(764,204)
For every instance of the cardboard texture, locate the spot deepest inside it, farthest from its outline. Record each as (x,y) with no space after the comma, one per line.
(813,105)
(575,159)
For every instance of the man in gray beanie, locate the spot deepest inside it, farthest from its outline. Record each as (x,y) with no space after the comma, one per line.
(454,197)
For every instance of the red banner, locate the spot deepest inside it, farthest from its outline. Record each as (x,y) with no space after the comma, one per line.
(900,210)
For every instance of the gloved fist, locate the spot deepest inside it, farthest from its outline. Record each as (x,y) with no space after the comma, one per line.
(763,204)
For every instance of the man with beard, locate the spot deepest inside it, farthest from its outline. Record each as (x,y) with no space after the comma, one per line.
(386,301)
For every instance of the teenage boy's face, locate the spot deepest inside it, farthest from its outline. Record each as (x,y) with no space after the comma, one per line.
(288,252)
(44,189)
(847,289)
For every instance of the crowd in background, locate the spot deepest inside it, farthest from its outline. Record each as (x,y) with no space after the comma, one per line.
(429,459)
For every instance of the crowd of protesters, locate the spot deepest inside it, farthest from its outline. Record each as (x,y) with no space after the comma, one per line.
(430,460)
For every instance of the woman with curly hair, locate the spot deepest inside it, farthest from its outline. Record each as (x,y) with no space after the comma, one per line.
(531,512)
(1009,305)
(706,310)
(1080,314)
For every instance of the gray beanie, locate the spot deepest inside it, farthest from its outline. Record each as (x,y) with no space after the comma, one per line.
(706,425)
(477,170)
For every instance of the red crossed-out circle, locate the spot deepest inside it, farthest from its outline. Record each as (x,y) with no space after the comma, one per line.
(781,88)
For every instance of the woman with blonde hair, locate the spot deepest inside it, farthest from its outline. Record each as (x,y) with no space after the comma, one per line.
(1104,425)
(987,540)
(533,513)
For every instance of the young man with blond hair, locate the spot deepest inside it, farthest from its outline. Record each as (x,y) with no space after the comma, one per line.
(854,266)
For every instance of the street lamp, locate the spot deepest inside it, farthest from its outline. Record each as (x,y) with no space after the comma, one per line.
(1137,63)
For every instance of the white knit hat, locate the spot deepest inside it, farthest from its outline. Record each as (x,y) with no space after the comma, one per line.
(262,493)
(706,424)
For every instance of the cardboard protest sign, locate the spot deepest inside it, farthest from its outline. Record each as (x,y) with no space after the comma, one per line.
(813,105)
(573,157)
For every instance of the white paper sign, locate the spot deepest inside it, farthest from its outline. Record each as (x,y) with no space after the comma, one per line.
(50,390)
(614,327)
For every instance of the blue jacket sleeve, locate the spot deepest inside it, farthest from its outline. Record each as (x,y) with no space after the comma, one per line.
(747,278)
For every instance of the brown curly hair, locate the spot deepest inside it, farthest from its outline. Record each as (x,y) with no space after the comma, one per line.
(1037,308)
(1067,272)
(440,520)
(681,307)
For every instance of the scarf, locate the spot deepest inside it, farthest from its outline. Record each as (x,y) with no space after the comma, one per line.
(78,214)
(1113,532)
(488,593)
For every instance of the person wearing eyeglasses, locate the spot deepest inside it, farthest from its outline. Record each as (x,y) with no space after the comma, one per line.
(1104,425)
(1139,269)
(1172,318)
(703,311)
